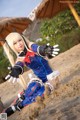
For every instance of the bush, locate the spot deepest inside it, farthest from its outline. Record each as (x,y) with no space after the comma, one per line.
(4,63)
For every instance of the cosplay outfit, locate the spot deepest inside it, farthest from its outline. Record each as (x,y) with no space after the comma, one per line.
(38,64)
(34,59)
(35,88)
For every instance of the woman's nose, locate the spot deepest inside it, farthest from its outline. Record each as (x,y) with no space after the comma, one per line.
(18,43)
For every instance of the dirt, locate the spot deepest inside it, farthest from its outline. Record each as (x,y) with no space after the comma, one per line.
(63,103)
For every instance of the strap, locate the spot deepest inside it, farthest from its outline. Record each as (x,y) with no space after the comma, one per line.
(36,80)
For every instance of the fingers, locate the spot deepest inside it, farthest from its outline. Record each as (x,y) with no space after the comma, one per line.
(56,53)
(9,68)
(52,50)
(48,44)
(53,55)
(17,79)
(56,49)
(14,80)
(11,79)
(56,46)
(7,77)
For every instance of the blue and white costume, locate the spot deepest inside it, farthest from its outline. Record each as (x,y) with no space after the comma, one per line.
(38,64)
(35,88)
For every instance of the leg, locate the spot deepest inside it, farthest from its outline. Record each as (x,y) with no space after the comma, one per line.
(10,110)
(53,79)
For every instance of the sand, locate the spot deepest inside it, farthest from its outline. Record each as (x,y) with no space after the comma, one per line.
(63,103)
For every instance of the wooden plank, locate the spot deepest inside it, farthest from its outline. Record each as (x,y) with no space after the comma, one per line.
(74,12)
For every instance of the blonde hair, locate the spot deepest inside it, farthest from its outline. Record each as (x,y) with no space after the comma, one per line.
(14,36)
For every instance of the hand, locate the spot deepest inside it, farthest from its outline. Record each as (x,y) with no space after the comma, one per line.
(14,74)
(51,51)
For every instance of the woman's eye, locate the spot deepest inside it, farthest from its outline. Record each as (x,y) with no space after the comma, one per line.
(14,43)
(19,40)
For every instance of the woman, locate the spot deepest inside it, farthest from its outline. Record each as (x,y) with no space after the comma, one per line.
(31,55)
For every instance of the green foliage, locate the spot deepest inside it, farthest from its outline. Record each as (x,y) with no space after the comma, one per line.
(62,24)
(69,40)
(4,63)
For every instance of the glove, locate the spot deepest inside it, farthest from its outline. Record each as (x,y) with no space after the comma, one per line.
(49,51)
(14,74)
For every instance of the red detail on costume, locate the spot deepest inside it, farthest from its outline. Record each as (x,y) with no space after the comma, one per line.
(28,55)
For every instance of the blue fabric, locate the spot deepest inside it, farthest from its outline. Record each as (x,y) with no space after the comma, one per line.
(20,64)
(34,89)
(40,67)
(34,47)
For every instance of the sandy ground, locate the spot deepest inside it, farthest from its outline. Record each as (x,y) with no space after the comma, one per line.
(63,103)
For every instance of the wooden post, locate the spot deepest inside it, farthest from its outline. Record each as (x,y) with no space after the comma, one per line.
(76,16)
(11,59)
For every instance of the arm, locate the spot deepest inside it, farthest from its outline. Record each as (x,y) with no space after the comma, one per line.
(45,50)
(15,72)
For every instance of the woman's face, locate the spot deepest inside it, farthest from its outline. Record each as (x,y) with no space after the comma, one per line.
(18,45)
